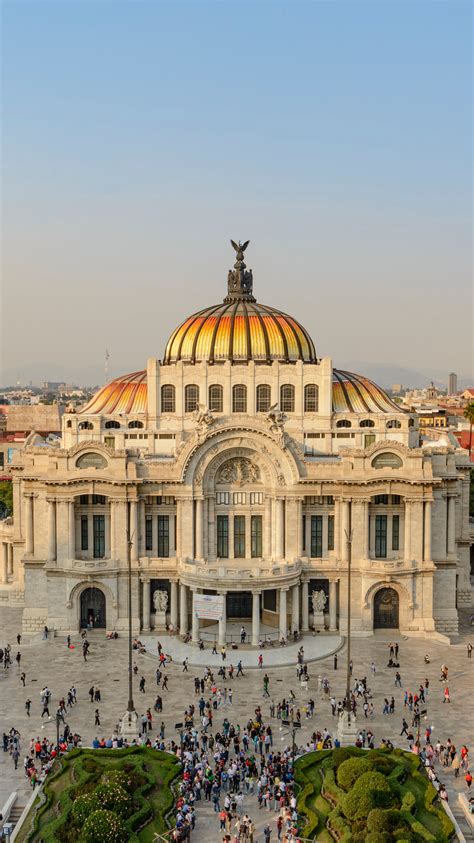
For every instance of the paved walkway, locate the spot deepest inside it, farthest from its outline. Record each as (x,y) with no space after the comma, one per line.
(315,648)
(51,663)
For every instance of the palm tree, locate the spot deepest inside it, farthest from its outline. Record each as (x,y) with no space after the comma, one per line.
(469,415)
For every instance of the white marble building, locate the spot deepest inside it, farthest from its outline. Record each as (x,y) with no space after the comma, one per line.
(241,464)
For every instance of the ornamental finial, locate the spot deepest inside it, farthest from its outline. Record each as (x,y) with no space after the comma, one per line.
(239,280)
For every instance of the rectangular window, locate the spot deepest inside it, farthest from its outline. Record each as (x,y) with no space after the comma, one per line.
(109,441)
(330,532)
(163,535)
(381,499)
(168,500)
(369,439)
(270,600)
(98,499)
(99,536)
(2,459)
(239,497)
(395,500)
(239,536)
(223,536)
(316,536)
(395,532)
(256,526)
(330,500)
(84,532)
(84,500)
(304,532)
(223,497)
(380,536)
(148,533)
(256,497)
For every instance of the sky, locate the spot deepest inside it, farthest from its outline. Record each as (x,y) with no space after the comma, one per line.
(138,137)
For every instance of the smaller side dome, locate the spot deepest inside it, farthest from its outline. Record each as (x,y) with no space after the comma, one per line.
(357,394)
(126,394)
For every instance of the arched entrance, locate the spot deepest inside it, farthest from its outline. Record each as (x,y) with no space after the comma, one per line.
(93,609)
(386,609)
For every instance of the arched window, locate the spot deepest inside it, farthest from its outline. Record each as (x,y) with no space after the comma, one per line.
(264,397)
(216,398)
(411,422)
(393,423)
(168,400)
(86,426)
(367,423)
(344,423)
(134,424)
(191,398)
(287,398)
(112,424)
(69,423)
(239,398)
(311,398)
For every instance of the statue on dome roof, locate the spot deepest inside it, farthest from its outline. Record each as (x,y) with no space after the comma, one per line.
(239,279)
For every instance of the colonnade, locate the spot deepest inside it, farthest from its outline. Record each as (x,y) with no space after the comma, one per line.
(7,561)
(288,623)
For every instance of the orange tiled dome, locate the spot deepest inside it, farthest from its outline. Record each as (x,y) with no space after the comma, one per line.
(239,330)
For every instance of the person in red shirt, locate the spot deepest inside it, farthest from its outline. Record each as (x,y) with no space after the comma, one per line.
(468,779)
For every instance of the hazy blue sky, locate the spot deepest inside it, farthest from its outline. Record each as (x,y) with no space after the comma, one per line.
(139,136)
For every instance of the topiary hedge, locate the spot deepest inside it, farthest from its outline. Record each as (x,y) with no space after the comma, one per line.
(103,826)
(350,770)
(371,790)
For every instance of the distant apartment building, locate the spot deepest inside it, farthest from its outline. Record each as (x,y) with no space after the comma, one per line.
(452,384)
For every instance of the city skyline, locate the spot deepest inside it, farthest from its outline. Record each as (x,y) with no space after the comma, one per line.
(342,152)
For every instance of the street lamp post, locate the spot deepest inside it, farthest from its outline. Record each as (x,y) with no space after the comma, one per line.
(347,701)
(129,726)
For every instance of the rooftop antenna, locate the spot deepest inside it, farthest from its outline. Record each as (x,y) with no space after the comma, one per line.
(106,367)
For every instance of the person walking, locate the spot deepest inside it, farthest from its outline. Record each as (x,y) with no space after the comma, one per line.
(446,696)
(398,679)
(18,639)
(240,672)
(18,658)
(469,649)
(28,706)
(335,665)
(185,665)
(91,693)
(142,685)
(266,682)
(404,728)
(260,660)
(455,765)
(23,678)
(97,697)
(15,756)
(164,684)
(97,717)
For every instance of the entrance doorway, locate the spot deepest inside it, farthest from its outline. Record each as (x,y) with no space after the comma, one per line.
(386,606)
(92,609)
(239,604)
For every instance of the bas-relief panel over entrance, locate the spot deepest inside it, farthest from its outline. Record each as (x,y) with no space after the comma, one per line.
(239,471)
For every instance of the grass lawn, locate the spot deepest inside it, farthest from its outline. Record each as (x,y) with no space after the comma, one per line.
(378,796)
(143,777)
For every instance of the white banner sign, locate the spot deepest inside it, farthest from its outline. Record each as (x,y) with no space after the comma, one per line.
(209,606)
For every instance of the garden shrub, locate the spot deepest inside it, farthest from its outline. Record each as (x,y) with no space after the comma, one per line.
(371,790)
(104,827)
(378,837)
(350,770)
(114,798)
(409,802)
(378,820)
(83,806)
(120,777)
(339,755)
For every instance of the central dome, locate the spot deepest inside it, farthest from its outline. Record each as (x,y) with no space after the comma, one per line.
(240,329)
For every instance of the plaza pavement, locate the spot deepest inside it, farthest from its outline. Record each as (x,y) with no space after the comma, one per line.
(51,663)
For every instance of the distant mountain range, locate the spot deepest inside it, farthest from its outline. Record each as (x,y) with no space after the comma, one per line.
(383,374)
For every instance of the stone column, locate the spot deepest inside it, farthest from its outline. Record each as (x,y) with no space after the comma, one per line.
(337,528)
(407,536)
(295,608)
(279,530)
(146,605)
(113,530)
(174,604)
(231,535)
(365,543)
(142,551)
(211,530)
(51,529)
(134,532)
(195,621)
(345,529)
(283,613)
(199,529)
(177,537)
(72,529)
(183,609)
(223,620)
(427,532)
(451,525)
(4,562)
(121,530)
(333,605)
(267,528)
(187,550)
(299,527)
(304,606)
(29,540)
(10,559)
(255,618)
(172,540)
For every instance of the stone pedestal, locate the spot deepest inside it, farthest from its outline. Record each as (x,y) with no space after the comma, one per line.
(160,620)
(347,730)
(318,621)
(129,727)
